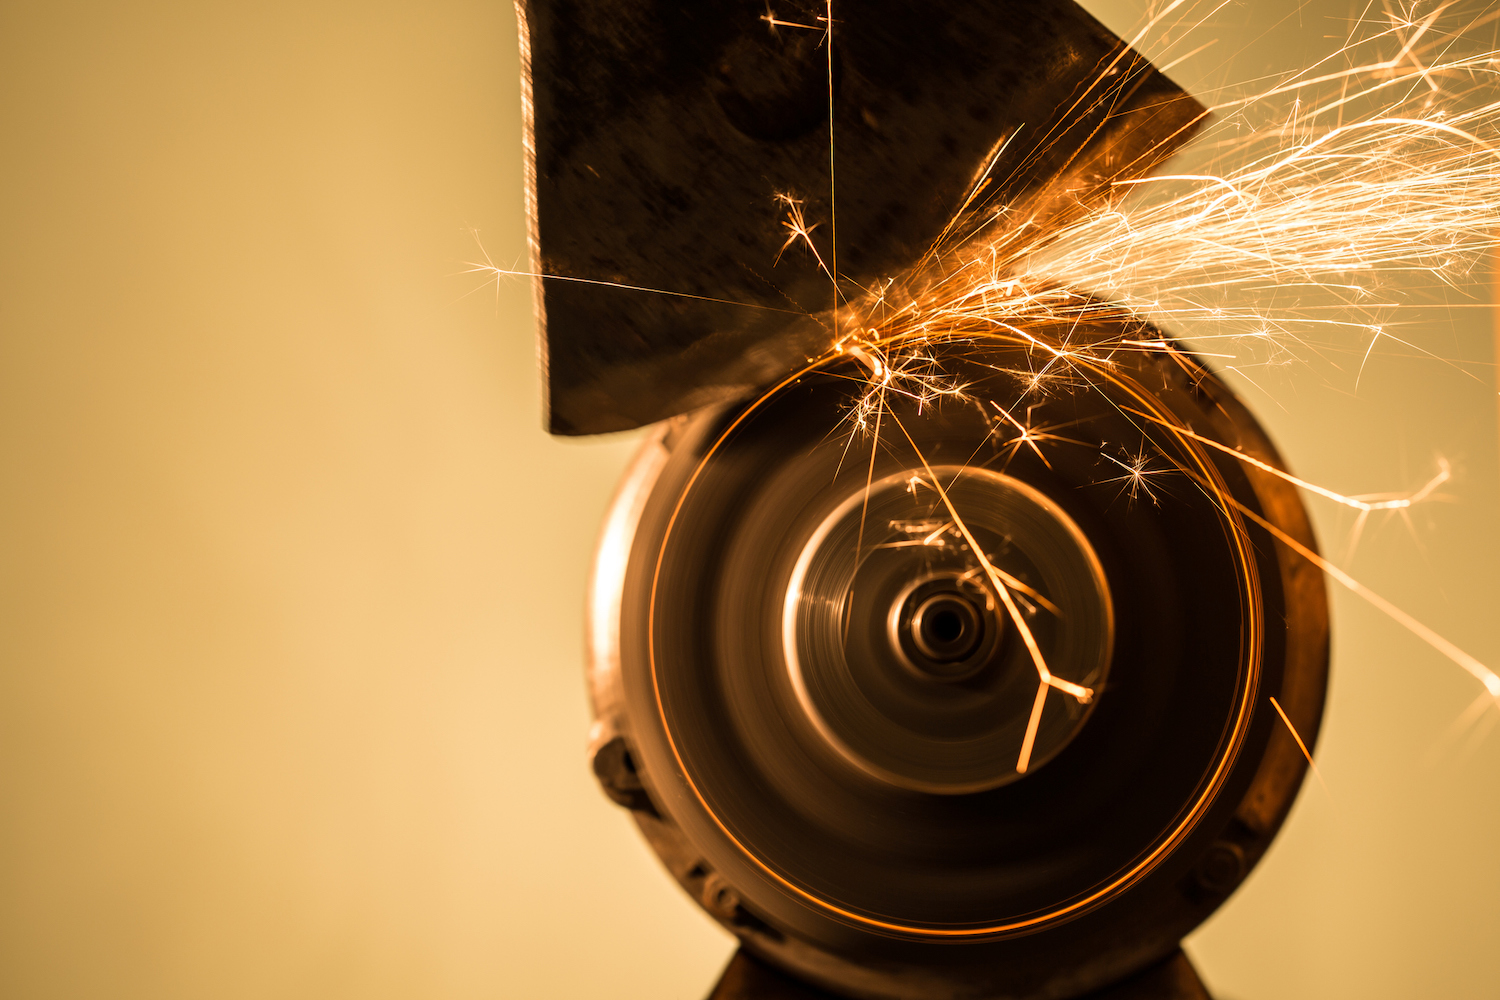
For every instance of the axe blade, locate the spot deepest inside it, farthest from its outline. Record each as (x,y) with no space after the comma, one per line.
(660,134)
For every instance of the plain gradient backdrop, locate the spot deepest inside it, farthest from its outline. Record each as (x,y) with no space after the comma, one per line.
(291,701)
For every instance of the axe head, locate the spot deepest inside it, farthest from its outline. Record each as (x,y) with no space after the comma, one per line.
(668,140)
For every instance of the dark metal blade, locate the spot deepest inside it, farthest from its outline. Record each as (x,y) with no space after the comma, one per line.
(661,133)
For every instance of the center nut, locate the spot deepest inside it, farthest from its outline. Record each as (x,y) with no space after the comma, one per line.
(898,650)
(946,627)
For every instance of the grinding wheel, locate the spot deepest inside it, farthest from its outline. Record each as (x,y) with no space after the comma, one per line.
(832,726)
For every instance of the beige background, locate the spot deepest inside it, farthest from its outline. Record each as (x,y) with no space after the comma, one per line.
(290,578)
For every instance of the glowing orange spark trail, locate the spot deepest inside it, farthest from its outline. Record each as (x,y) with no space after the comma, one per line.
(777,22)
(1032,724)
(1044,675)
(1479,671)
(1364,506)
(1301,745)
(833,188)
(798,229)
(498,272)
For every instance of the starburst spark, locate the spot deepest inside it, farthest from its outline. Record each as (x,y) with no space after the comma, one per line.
(1138,475)
(911,371)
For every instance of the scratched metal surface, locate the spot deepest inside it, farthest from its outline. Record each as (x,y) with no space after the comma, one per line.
(662,132)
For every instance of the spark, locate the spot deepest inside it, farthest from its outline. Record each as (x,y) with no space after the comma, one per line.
(911,372)
(1138,472)
(1300,744)
(1029,435)
(1365,505)
(496,273)
(798,231)
(1045,678)
(775,22)
(937,537)
(1483,674)
(833,188)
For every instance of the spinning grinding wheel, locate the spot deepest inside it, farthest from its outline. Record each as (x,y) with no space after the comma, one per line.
(822,734)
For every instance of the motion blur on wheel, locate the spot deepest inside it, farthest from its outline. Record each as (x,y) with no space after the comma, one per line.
(947,710)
